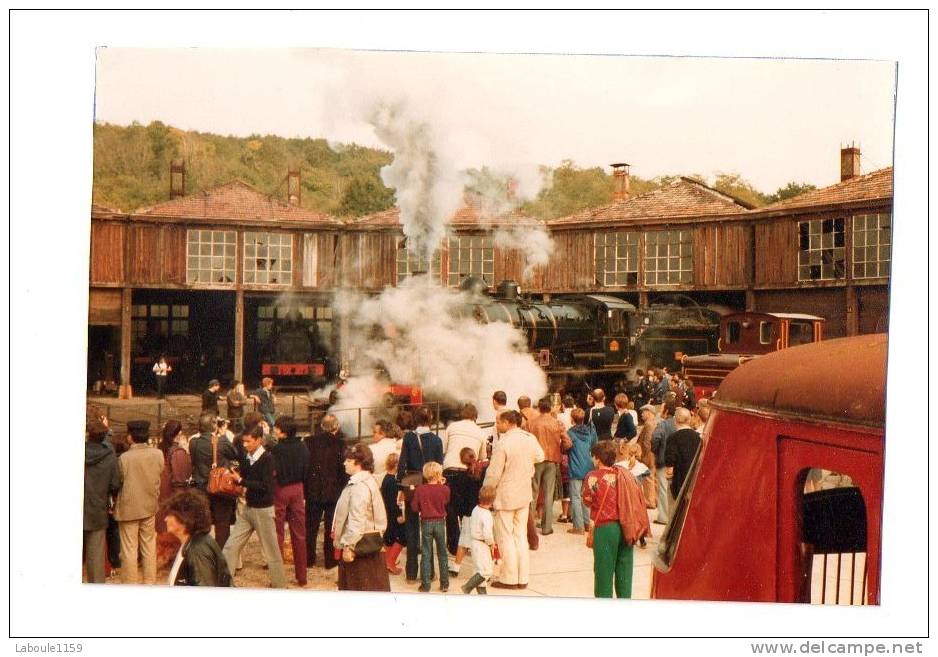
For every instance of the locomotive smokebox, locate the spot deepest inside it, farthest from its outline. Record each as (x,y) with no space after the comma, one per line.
(508,290)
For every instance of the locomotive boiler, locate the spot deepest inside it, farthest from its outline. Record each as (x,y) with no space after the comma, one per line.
(596,338)
(293,354)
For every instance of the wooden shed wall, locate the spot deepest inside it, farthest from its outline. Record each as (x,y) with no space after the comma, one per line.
(722,255)
(776,252)
(107,252)
(378,262)
(873,302)
(173,255)
(571,266)
(104,307)
(829,303)
(144,242)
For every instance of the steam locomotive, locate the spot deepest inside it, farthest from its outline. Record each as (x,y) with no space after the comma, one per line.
(294,354)
(595,338)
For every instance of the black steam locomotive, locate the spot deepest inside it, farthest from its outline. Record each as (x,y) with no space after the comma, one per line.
(595,338)
(294,354)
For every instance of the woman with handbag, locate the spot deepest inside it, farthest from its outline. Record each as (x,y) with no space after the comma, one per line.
(612,556)
(360,521)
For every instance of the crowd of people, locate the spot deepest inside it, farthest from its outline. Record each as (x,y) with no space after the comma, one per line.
(191,503)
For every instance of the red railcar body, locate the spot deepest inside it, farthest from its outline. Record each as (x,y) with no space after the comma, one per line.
(737,530)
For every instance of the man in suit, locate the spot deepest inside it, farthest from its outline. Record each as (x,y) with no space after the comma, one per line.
(137,503)
(510,473)
(601,416)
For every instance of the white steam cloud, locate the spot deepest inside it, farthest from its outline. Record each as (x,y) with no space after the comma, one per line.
(533,241)
(422,335)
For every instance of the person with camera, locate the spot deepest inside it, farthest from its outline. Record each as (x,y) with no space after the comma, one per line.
(212,447)
(257,477)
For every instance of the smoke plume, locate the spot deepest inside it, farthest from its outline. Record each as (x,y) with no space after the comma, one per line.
(421,334)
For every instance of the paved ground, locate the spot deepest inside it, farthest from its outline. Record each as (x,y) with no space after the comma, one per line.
(561,567)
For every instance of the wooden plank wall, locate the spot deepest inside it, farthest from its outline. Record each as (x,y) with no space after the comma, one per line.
(326,259)
(776,252)
(829,303)
(104,307)
(173,255)
(722,256)
(571,266)
(378,262)
(874,308)
(144,241)
(107,252)
(509,264)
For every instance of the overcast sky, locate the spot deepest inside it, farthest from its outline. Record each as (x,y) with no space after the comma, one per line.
(770,120)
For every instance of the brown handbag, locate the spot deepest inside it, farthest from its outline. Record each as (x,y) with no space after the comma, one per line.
(221,480)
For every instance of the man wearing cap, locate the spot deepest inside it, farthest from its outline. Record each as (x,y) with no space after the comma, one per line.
(210,398)
(137,503)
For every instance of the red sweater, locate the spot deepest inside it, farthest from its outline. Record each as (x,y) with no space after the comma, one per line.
(430,501)
(599,494)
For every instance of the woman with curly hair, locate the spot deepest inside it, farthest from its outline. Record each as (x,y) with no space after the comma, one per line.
(199,561)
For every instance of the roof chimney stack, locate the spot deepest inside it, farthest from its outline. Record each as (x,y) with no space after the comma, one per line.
(620,175)
(177,178)
(849,162)
(293,187)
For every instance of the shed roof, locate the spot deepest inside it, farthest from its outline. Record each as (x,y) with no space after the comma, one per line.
(684,197)
(235,200)
(820,381)
(871,186)
(468,216)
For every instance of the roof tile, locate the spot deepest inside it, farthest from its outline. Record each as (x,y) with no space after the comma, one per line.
(235,200)
(873,185)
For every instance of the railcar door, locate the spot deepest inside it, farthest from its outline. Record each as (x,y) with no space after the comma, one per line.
(829,519)
(616,338)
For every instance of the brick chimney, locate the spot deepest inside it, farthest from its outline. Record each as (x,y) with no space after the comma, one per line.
(177,178)
(620,175)
(293,187)
(849,162)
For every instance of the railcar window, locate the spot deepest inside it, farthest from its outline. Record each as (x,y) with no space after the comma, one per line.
(210,256)
(669,257)
(409,263)
(800,333)
(833,541)
(872,244)
(268,258)
(821,250)
(671,538)
(766,332)
(733,332)
(616,257)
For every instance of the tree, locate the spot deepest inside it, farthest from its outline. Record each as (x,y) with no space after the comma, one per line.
(571,189)
(365,194)
(791,190)
(735,185)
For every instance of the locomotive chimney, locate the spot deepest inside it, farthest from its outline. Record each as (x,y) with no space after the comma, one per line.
(293,187)
(508,290)
(849,162)
(177,178)
(620,175)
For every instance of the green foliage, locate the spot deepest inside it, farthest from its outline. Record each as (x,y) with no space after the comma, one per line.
(131,167)
(737,186)
(790,190)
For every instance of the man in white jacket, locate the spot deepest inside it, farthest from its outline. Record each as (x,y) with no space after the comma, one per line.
(510,473)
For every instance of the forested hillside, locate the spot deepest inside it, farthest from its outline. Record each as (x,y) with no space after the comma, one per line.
(132,164)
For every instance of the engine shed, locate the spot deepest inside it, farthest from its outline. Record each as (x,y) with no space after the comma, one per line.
(208,277)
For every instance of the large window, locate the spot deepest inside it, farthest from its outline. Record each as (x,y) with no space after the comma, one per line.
(210,256)
(821,250)
(872,241)
(158,321)
(268,258)
(669,257)
(409,263)
(471,256)
(616,257)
